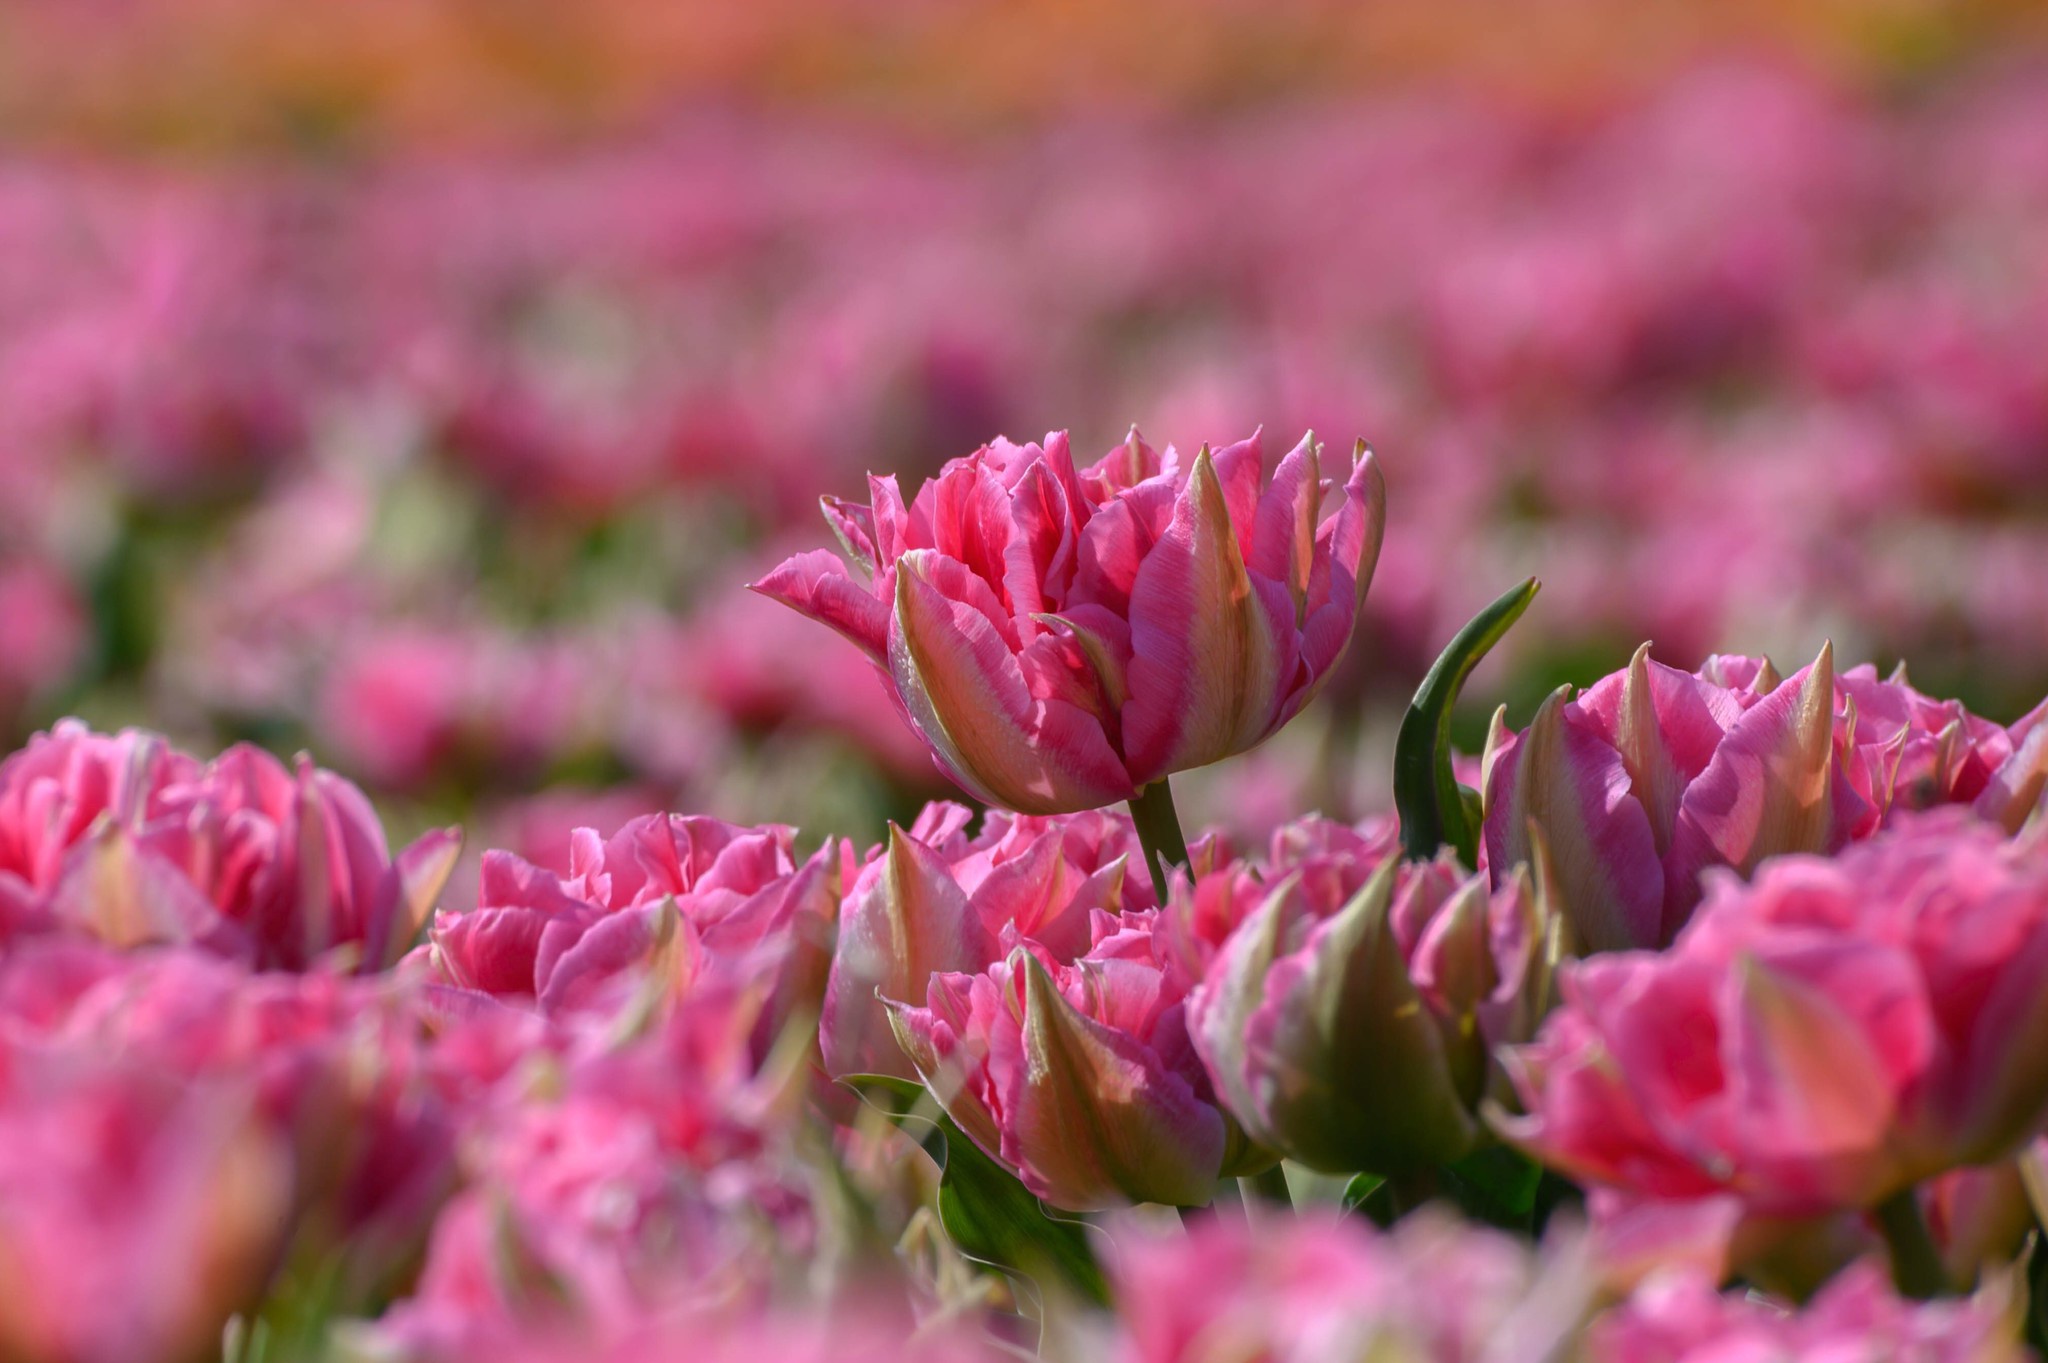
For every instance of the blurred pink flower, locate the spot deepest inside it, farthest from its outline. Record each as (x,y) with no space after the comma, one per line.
(138,1211)
(128,840)
(1819,1039)
(1314,1288)
(1064,638)
(1682,1319)
(698,892)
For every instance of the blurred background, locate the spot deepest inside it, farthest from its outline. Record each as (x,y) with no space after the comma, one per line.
(418,381)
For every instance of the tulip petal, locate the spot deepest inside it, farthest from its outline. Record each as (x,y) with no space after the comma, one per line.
(817,584)
(1102,1119)
(1768,791)
(2020,785)
(912,923)
(1568,782)
(963,688)
(1807,1082)
(1283,544)
(420,874)
(1204,653)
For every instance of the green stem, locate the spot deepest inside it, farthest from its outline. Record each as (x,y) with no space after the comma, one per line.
(1916,1263)
(1159,832)
(1270,1185)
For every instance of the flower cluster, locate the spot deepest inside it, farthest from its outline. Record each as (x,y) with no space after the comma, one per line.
(1715,974)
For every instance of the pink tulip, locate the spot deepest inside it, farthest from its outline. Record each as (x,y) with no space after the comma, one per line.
(333,1067)
(1059,1042)
(1818,1039)
(1653,775)
(1063,638)
(936,899)
(128,840)
(1315,1288)
(737,896)
(1682,1319)
(137,1212)
(1348,1021)
(649,1182)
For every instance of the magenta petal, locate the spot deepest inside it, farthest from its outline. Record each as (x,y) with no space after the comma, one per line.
(1768,790)
(966,692)
(1283,544)
(817,584)
(1204,673)
(1572,785)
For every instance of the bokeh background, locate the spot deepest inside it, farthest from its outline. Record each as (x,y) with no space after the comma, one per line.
(418,381)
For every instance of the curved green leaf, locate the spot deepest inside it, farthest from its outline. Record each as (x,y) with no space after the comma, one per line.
(1432,806)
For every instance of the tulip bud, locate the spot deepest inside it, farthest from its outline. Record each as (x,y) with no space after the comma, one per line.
(1352,1031)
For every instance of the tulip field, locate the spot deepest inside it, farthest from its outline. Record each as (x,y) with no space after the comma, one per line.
(882,685)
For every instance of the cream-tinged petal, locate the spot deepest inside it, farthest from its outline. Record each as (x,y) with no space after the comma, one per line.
(1095,1119)
(1204,662)
(1568,782)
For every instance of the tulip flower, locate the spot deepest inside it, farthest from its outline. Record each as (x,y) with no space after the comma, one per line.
(137,1212)
(1818,1039)
(738,895)
(1307,1289)
(1653,775)
(1348,1021)
(1062,638)
(1682,1319)
(1070,1066)
(130,841)
(934,899)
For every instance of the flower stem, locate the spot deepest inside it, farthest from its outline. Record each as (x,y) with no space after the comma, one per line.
(1271,1186)
(1159,832)
(1916,1264)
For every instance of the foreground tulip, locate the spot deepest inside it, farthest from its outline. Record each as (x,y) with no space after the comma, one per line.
(1348,1021)
(1654,775)
(1682,1319)
(131,841)
(137,1212)
(1316,1288)
(1063,1052)
(935,899)
(737,895)
(1064,638)
(1819,1039)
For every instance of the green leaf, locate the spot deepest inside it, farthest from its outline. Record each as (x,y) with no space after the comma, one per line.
(1496,1184)
(990,1216)
(1369,1195)
(1431,804)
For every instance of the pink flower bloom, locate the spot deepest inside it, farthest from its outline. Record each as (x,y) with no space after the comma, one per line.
(1348,1021)
(737,897)
(1653,775)
(648,1183)
(131,841)
(1682,1319)
(1314,1288)
(1063,638)
(333,1066)
(1818,1039)
(935,899)
(1078,1074)
(137,1211)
